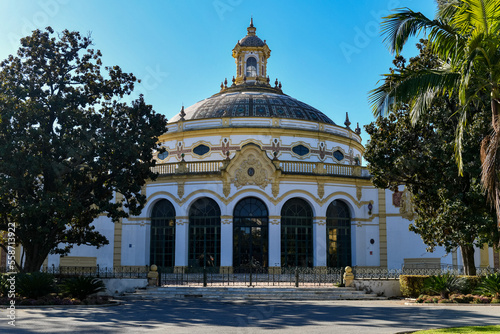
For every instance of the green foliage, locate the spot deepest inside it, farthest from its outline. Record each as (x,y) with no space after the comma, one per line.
(70,144)
(4,285)
(490,285)
(412,285)
(35,285)
(83,286)
(451,210)
(464,39)
(469,284)
(443,285)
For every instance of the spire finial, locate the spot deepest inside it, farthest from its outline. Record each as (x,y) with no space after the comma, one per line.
(251,29)
(347,122)
(182,113)
(358,129)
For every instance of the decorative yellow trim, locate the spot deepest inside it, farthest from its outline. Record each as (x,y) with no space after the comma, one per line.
(117,244)
(484,256)
(271,131)
(382,228)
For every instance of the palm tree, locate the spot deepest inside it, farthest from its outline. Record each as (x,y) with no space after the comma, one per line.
(465,35)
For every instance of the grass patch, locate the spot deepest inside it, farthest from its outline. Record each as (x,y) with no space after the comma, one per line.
(469,330)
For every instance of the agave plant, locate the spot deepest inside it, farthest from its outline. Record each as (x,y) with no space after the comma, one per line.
(490,285)
(35,285)
(83,286)
(443,284)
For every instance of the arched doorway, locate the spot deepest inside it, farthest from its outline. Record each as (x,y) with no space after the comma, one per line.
(204,233)
(338,234)
(296,234)
(250,234)
(162,246)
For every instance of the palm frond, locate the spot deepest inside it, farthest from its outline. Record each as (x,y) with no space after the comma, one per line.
(403,24)
(418,88)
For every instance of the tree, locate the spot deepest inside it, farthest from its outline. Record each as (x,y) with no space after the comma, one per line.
(70,148)
(466,37)
(451,208)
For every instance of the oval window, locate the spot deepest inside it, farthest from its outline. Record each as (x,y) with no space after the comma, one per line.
(300,150)
(163,156)
(201,149)
(338,155)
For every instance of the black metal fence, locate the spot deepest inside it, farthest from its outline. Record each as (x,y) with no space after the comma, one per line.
(244,277)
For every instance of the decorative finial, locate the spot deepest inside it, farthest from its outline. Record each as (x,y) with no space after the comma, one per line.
(234,81)
(225,83)
(221,86)
(347,122)
(244,78)
(276,83)
(268,80)
(251,29)
(357,130)
(279,85)
(182,113)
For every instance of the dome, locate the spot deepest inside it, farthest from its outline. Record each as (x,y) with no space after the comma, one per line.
(251,41)
(253,103)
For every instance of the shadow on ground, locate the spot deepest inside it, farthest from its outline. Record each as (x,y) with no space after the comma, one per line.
(244,316)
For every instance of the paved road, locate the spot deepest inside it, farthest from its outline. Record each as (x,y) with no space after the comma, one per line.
(205,316)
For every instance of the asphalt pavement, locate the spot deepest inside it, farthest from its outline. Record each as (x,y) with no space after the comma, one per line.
(214,316)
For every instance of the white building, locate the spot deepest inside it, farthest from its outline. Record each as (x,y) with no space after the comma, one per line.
(252,176)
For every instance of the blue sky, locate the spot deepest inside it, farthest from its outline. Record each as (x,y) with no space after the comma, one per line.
(327,53)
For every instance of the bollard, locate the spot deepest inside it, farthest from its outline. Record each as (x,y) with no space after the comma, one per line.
(342,272)
(204,276)
(296,277)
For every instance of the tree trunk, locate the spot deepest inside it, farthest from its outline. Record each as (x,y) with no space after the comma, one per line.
(34,260)
(468,259)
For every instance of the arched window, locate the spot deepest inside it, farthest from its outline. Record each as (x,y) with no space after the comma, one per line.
(250,234)
(204,233)
(162,249)
(251,67)
(296,234)
(338,233)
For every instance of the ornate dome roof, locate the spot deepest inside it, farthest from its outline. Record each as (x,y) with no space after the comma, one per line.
(251,41)
(250,94)
(253,103)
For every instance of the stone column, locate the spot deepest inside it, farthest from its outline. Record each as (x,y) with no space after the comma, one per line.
(181,243)
(319,242)
(274,249)
(226,249)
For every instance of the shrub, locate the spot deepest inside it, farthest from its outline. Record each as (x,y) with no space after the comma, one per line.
(412,285)
(469,284)
(83,286)
(35,285)
(4,285)
(443,284)
(495,301)
(490,286)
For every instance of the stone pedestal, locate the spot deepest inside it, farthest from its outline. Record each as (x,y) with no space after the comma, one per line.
(153,276)
(348,277)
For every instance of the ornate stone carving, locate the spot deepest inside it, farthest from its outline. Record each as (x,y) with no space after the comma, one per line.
(274,221)
(257,176)
(396,198)
(359,192)
(321,190)
(226,188)
(406,206)
(276,188)
(180,189)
